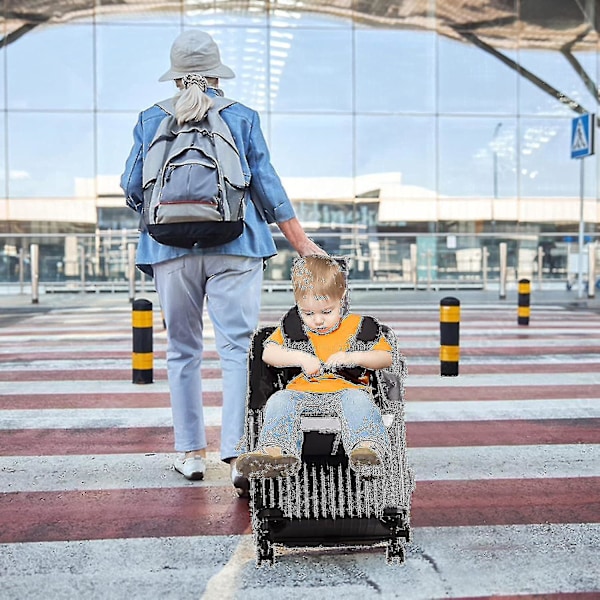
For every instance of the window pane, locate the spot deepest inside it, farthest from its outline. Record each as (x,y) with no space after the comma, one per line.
(52,68)
(546,167)
(403,145)
(395,71)
(566,74)
(144,13)
(466,157)
(473,81)
(311,70)
(286,17)
(244,50)
(3,73)
(64,152)
(127,78)
(3,169)
(213,13)
(312,146)
(134,85)
(114,141)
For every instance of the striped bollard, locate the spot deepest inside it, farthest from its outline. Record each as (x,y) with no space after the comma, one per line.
(524,299)
(449,336)
(142,358)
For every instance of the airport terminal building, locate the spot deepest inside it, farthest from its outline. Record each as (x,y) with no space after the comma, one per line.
(433,126)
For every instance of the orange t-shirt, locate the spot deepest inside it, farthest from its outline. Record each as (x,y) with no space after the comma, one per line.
(324,346)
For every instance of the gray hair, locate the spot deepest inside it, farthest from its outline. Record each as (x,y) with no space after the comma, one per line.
(192,103)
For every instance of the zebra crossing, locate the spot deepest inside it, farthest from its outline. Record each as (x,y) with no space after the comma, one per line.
(506,458)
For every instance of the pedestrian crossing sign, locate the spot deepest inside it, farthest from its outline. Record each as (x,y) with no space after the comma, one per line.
(582,136)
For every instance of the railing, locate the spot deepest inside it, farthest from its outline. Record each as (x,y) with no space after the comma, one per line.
(104,261)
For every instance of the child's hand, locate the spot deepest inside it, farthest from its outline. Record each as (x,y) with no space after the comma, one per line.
(339,359)
(311,365)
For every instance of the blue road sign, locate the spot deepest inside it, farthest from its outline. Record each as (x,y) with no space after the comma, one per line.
(582,136)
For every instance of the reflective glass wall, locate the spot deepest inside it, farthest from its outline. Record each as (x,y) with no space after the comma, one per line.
(428,117)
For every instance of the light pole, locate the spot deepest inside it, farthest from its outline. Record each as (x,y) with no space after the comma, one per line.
(495,181)
(495,151)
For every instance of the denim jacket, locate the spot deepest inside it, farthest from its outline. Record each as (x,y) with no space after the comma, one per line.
(266,199)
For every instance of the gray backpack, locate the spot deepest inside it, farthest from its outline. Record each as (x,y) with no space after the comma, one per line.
(194,185)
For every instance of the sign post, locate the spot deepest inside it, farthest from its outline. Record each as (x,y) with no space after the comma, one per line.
(582,145)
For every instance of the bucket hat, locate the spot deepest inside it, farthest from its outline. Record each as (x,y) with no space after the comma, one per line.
(195,51)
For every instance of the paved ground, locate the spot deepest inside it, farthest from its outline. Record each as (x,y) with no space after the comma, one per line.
(506,456)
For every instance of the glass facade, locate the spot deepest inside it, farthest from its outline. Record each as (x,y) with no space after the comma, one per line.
(388,121)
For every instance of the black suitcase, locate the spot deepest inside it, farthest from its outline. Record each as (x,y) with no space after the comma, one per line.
(327,504)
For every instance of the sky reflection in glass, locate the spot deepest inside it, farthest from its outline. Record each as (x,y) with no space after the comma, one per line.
(336,100)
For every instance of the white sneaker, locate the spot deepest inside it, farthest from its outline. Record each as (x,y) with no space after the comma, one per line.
(192,467)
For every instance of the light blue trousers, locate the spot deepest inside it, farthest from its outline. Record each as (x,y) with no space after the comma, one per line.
(232,288)
(359,415)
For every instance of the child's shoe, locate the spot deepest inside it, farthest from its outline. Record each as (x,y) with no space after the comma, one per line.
(363,456)
(240,483)
(266,465)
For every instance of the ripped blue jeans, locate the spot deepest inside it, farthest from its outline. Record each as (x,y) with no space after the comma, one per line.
(360,418)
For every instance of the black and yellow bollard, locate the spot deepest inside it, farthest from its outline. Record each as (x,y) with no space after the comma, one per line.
(524,301)
(449,336)
(142,358)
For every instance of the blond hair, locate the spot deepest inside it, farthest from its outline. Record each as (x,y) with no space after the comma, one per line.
(191,103)
(318,275)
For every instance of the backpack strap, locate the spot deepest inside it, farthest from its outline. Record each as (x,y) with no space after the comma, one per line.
(167,105)
(219,102)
